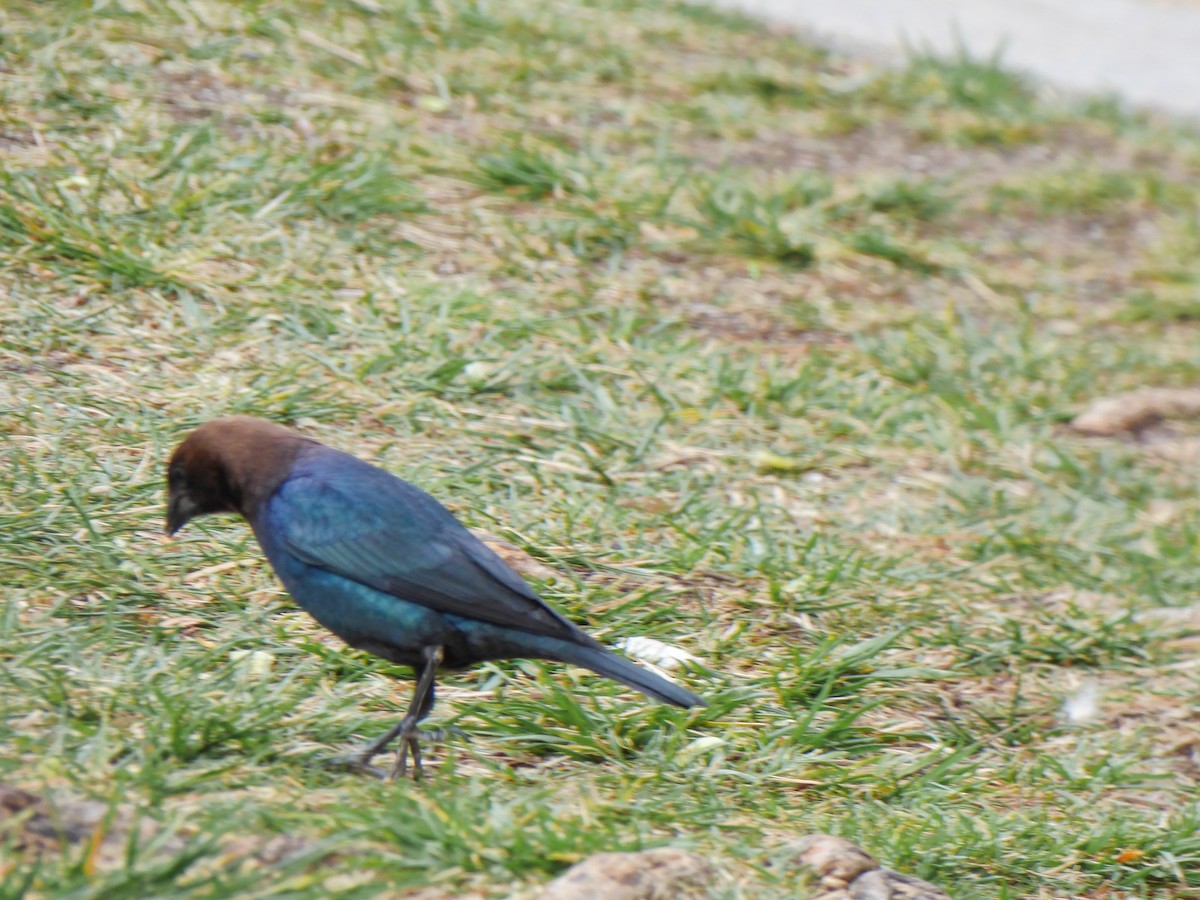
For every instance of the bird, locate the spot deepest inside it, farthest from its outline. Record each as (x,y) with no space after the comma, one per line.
(381,564)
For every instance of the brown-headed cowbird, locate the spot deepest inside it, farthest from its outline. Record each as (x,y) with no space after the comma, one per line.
(380,563)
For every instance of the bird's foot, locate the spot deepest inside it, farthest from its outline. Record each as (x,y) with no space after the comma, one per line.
(410,744)
(410,738)
(356,764)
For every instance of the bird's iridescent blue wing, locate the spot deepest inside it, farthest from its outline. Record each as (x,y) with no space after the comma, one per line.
(365,524)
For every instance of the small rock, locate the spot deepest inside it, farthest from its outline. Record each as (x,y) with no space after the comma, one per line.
(834,860)
(847,872)
(886,884)
(1138,410)
(665,873)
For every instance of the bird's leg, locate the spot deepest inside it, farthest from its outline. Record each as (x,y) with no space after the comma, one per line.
(406,728)
(422,702)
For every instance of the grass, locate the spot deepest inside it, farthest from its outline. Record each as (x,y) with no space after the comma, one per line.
(761,350)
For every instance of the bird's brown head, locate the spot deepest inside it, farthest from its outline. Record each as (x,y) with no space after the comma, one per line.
(228,465)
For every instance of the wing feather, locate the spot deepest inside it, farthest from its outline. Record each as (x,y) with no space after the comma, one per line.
(367,525)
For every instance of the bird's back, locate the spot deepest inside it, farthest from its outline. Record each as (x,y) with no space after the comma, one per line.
(338,513)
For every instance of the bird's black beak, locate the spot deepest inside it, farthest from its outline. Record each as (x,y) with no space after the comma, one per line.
(180,509)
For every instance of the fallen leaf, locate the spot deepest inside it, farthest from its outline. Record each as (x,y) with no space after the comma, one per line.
(698,746)
(255,663)
(769,461)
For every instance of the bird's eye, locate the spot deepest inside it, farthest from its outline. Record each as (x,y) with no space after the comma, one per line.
(175,478)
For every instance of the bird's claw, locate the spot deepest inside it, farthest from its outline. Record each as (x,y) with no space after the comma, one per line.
(356,764)
(410,740)
(410,743)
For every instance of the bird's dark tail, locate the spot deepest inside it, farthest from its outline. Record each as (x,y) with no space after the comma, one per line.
(627,672)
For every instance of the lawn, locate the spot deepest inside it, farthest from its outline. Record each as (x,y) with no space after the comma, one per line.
(746,346)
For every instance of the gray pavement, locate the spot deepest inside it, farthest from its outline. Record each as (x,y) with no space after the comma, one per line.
(1145,51)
